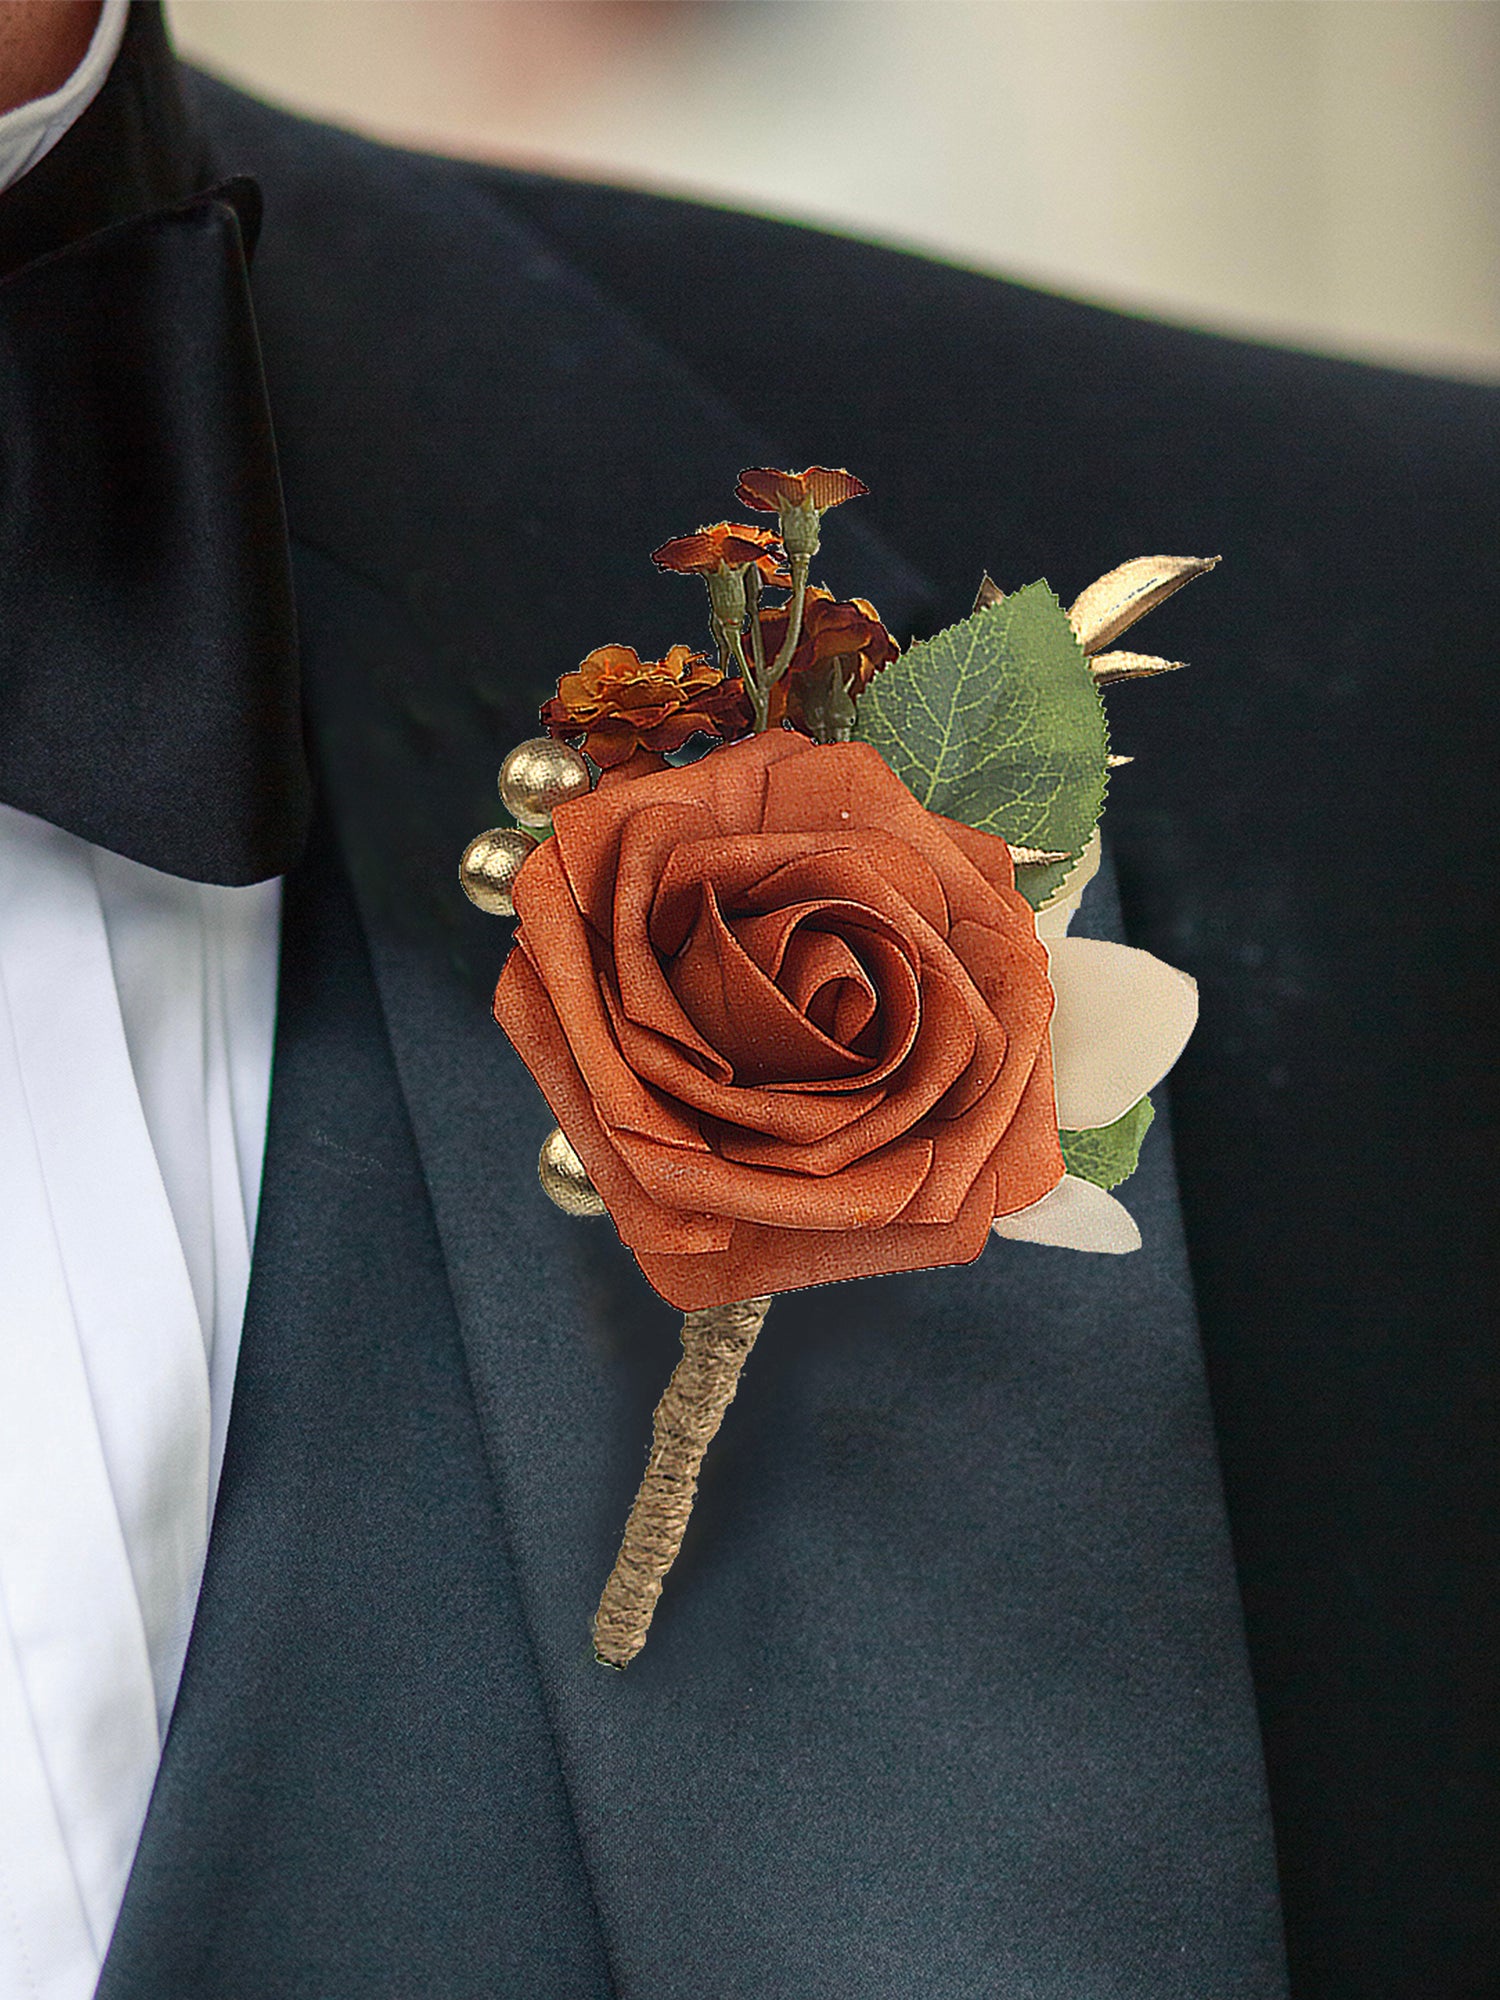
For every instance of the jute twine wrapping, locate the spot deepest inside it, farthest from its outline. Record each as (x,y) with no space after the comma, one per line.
(715,1343)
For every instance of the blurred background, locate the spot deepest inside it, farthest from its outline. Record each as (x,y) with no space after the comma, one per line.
(1320,172)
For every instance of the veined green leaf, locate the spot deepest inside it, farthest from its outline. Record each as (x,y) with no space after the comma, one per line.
(997,722)
(1108,1154)
(1036,884)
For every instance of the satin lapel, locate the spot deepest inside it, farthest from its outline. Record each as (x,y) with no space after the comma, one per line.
(359,1795)
(947,1692)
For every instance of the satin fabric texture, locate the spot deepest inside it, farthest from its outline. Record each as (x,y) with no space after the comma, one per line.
(150,697)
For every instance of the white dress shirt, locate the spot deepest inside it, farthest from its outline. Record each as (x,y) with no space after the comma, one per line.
(136,1020)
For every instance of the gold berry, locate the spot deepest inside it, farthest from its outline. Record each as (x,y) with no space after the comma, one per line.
(564,1179)
(490,866)
(540,775)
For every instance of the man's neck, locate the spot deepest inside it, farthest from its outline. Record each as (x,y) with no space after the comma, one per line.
(42,42)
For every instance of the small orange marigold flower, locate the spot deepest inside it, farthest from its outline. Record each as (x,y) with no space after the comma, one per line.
(617,703)
(831,630)
(820,487)
(726,545)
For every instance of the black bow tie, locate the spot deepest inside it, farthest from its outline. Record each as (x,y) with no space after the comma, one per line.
(148,679)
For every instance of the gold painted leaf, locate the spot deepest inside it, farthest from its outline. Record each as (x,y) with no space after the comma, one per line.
(1109,667)
(1113,603)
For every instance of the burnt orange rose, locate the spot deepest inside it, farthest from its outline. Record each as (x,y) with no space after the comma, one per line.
(794,1024)
(618,704)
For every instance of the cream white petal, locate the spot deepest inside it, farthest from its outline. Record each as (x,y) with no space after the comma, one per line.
(1076,1215)
(1121,1021)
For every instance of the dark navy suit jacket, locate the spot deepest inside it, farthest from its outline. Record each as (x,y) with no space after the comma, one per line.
(949,1694)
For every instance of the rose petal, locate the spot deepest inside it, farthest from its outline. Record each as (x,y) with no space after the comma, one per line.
(566,956)
(746,1016)
(853,868)
(524,1010)
(817,954)
(645,844)
(797,1117)
(1024,1158)
(985,851)
(1076,1215)
(945,1044)
(869,1194)
(1121,1021)
(750,872)
(779,1260)
(849,785)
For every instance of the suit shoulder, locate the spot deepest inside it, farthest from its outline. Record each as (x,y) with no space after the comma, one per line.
(788,316)
(737,293)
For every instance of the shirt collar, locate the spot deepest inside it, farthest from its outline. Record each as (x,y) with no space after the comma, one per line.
(119,138)
(32,130)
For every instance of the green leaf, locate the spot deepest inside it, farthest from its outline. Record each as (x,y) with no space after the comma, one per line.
(997,722)
(1108,1154)
(1037,882)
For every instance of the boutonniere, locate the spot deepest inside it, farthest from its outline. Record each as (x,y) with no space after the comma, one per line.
(803,1004)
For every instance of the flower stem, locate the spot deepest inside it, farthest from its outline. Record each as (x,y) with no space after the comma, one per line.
(715,1342)
(799,566)
(752,605)
(755,676)
(759,700)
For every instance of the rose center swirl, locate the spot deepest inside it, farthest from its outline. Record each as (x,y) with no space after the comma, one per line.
(822,994)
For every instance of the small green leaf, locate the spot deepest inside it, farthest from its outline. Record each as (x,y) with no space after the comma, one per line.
(1036,884)
(997,722)
(1108,1154)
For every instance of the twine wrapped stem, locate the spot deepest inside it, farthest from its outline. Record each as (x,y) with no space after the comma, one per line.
(715,1343)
